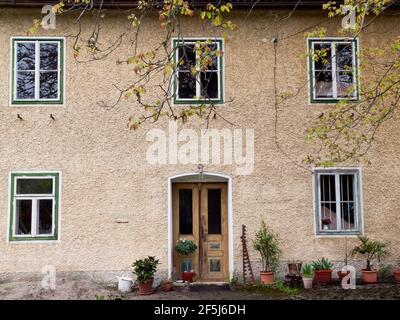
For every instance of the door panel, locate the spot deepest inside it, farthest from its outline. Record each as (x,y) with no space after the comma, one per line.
(200,215)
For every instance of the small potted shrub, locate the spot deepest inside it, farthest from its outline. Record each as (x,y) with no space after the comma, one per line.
(307,274)
(266,243)
(322,271)
(370,250)
(186,247)
(397,273)
(145,269)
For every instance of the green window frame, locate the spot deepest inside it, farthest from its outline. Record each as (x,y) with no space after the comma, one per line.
(333,70)
(338,201)
(28,204)
(197,98)
(34,70)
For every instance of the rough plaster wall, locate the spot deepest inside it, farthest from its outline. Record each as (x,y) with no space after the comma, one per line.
(105,175)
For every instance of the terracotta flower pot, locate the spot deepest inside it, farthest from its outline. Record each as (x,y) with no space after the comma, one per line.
(307,282)
(397,276)
(369,276)
(323,276)
(267,277)
(146,287)
(188,276)
(168,286)
(341,275)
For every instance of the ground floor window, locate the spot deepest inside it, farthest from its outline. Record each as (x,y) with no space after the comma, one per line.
(34,206)
(338,201)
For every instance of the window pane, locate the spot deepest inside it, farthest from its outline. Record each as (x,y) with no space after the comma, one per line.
(345,85)
(327,187)
(209,84)
(214,211)
(48,85)
(344,56)
(25,56)
(347,215)
(346,187)
(328,216)
(323,84)
(45,212)
(186,56)
(323,56)
(23,217)
(215,265)
(48,56)
(25,85)
(185,211)
(186,265)
(209,57)
(187,85)
(34,186)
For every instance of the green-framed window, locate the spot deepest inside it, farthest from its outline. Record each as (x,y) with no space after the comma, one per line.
(34,206)
(195,81)
(37,71)
(333,70)
(338,201)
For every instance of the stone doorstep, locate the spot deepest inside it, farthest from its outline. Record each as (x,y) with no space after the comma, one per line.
(203,286)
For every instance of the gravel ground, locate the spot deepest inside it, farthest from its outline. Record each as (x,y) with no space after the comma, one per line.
(89,289)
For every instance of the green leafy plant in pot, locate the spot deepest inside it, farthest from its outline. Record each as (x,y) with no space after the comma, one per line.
(185,248)
(322,271)
(371,250)
(266,243)
(145,269)
(307,273)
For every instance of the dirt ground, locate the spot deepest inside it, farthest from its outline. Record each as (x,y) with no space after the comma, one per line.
(90,289)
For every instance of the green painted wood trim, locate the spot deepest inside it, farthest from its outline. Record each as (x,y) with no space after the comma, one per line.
(56,176)
(221,75)
(311,75)
(61,80)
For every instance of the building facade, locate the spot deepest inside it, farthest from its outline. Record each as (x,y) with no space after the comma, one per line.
(82,192)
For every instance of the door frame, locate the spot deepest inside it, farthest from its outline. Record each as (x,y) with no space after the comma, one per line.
(193,178)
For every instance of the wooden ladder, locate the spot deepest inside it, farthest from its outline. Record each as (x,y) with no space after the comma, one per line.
(247,270)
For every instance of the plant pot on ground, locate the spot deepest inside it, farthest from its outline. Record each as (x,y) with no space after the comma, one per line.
(307,274)
(370,250)
(322,271)
(145,269)
(168,285)
(396,273)
(266,243)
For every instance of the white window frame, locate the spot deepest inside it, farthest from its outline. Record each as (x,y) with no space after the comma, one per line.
(35,216)
(37,101)
(357,192)
(333,42)
(198,98)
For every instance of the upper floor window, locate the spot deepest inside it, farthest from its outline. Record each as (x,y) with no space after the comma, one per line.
(338,201)
(37,71)
(198,77)
(34,206)
(333,69)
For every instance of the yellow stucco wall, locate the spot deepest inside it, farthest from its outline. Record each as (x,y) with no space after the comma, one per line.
(105,175)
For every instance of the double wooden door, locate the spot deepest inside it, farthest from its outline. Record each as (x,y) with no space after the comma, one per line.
(200,215)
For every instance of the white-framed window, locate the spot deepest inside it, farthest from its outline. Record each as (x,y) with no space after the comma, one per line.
(37,71)
(338,201)
(333,70)
(204,85)
(34,206)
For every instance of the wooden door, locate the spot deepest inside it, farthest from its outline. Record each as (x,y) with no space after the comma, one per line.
(200,214)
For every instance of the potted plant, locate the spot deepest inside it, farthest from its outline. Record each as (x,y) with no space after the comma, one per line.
(307,274)
(397,272)
(370,250)
(145,269)
(266,243)
(325,223)
(168,285)
(186,247)
(322,271)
